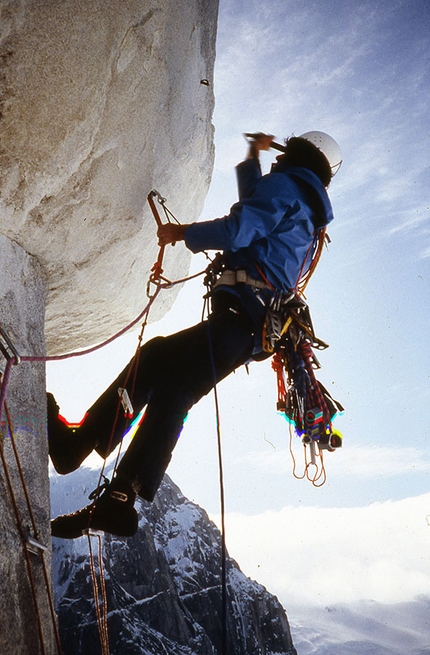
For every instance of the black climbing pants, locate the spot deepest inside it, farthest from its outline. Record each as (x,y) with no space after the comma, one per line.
(171,375)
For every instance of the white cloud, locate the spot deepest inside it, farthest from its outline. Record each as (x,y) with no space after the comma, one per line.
(314,555)
(382,461)
(412,218)
(370,462)
(425,254)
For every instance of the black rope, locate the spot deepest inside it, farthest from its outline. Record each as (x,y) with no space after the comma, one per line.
(222,507)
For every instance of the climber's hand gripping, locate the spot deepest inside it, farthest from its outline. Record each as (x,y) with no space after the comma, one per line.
(170,233)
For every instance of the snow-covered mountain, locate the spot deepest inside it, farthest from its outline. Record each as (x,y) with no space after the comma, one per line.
(363,628)
(163,585)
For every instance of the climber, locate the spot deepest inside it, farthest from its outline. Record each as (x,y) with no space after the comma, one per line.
(267,241)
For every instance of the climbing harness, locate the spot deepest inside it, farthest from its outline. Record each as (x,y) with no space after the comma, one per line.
(289,337)
(231,278)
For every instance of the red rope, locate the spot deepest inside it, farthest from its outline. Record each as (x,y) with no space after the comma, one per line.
(87,351)
(278,366)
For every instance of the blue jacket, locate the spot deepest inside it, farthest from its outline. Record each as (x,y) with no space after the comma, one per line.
(272,228)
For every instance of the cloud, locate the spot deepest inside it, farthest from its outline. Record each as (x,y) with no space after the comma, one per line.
(316,555)
(382,461)
(371,462)
(412,218)
(425,254)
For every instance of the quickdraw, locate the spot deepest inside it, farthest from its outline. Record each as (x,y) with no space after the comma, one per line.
(282,310)
(157,270)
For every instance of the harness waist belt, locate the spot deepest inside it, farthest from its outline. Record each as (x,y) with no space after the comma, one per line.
(231,278)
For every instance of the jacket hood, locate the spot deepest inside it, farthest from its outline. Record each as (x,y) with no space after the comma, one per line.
(314,188)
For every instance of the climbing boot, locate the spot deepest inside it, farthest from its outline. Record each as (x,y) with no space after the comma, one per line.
(111,511)
(68,447)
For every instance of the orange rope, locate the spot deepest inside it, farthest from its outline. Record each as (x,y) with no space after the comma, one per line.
(100,597)
(304,279)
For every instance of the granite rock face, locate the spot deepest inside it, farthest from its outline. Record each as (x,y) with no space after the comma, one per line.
(24,484)
(163,585)
(101,102)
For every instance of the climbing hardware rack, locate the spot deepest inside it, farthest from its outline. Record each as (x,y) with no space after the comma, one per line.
(305,402)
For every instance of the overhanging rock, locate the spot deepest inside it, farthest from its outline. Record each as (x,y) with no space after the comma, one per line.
(102,101)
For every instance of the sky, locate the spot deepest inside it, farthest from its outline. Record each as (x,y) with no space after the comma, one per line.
(359,71)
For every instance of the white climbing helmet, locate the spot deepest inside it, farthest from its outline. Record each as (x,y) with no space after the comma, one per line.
(328,147)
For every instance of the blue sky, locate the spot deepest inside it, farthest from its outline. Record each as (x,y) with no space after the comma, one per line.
(360,71)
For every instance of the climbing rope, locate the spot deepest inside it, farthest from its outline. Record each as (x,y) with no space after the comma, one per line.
(31,544)
(99,592)
(12,357)
(157,280)
(222,504)
(321,239)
